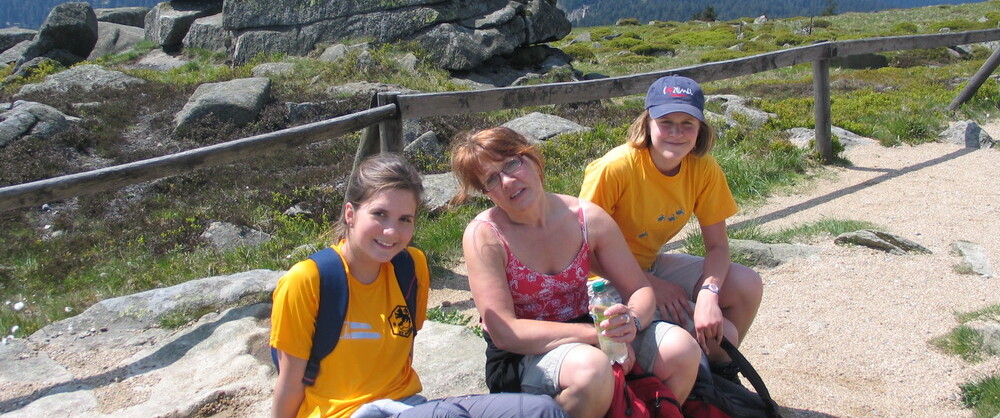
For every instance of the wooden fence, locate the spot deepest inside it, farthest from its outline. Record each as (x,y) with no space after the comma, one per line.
(383,121)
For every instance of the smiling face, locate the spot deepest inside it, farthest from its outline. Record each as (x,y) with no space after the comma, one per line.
(672,137)
(380,227)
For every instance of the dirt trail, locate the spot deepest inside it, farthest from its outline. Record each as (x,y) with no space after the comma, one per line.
(846,332)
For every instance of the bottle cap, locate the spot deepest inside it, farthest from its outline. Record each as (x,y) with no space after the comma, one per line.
(599,285)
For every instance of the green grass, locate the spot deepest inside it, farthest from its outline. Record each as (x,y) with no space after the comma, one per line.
(965,341)
(447,316)
(695,244)
(983,396)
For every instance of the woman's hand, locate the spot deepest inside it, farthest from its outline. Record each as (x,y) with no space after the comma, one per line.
(619,325)
(708,320)
(671,300)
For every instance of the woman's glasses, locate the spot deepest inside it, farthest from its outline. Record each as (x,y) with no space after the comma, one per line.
(509,168)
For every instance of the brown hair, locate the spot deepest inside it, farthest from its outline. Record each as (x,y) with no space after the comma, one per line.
(375,174)
(638,135)
(470,150)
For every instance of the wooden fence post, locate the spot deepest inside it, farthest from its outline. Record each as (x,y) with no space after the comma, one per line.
(821,106)
(369,144)
(977,80)
(390,131)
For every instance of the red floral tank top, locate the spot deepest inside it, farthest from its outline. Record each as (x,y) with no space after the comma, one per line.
(548,297)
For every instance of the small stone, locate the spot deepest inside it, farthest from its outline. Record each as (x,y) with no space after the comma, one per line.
(18,306)
(104,330)
(68,309)
(14,329)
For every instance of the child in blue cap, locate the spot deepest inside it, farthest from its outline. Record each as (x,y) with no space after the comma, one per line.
(651,186)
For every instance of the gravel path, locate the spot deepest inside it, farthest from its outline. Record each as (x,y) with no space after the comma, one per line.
(846,332)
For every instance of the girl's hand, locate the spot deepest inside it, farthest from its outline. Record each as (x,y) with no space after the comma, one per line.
(619,325)
(708,320)
(671,300)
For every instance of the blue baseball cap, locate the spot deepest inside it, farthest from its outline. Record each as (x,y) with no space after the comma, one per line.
(675,93)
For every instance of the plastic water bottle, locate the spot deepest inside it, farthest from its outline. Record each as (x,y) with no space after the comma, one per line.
(599,302)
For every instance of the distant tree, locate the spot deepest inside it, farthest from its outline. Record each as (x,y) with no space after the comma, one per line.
(707,15)
(831,8)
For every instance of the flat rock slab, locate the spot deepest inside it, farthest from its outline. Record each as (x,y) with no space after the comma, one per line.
(540,127)
(236,101)
(114,359)
(84,77)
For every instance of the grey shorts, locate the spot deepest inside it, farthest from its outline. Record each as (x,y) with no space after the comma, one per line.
(684,270)
(540,373)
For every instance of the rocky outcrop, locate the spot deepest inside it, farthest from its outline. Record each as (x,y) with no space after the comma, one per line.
(168,22)
(208,33)
(199,348)
(236,101)
(974,258)
(803,137)
(967,133)
(128,16)
(68,35)
(12,54)
(84,77)
(113,38)
(770,255)
(458,34)
(13,36)
(883,241)
(226,236)
(30,118)
(539,127)
(438,190)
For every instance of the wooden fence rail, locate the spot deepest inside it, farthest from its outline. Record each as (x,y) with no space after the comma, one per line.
(90,182)
(384,120)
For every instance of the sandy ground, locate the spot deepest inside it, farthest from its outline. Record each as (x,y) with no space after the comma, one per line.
(846,332)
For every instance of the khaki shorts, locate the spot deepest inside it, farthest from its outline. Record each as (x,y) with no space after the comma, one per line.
(540,373)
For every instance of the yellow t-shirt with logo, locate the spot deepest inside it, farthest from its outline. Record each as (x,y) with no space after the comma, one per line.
(650,207)
(373,359)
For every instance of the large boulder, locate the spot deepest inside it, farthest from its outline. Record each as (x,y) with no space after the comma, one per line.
(168,22)
(114,38)
(68,35)
(30,118)
(458,34)
(13,36)
(236,101)
(208,33)
(84,77)
(129,16)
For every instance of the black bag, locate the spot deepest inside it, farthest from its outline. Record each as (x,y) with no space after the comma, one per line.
(714,396)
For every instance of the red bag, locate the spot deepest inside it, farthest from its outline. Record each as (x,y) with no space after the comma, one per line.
(642,395)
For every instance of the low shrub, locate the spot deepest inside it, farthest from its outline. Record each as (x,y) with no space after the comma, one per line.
(579,52)
(904,28)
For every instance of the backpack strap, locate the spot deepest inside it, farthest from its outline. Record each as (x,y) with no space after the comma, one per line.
(333,298)
(748,371)
(406,277)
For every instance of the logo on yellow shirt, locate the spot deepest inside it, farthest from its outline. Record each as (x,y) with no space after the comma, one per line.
(401,321)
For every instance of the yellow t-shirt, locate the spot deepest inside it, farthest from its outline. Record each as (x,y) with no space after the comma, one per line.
(373,359)
(650,207)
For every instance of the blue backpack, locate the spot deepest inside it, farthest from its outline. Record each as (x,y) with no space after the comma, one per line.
(333,297)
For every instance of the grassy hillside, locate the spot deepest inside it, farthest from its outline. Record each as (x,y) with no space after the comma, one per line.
(61,259)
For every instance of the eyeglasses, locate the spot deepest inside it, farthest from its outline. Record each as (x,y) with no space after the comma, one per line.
(509,168)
